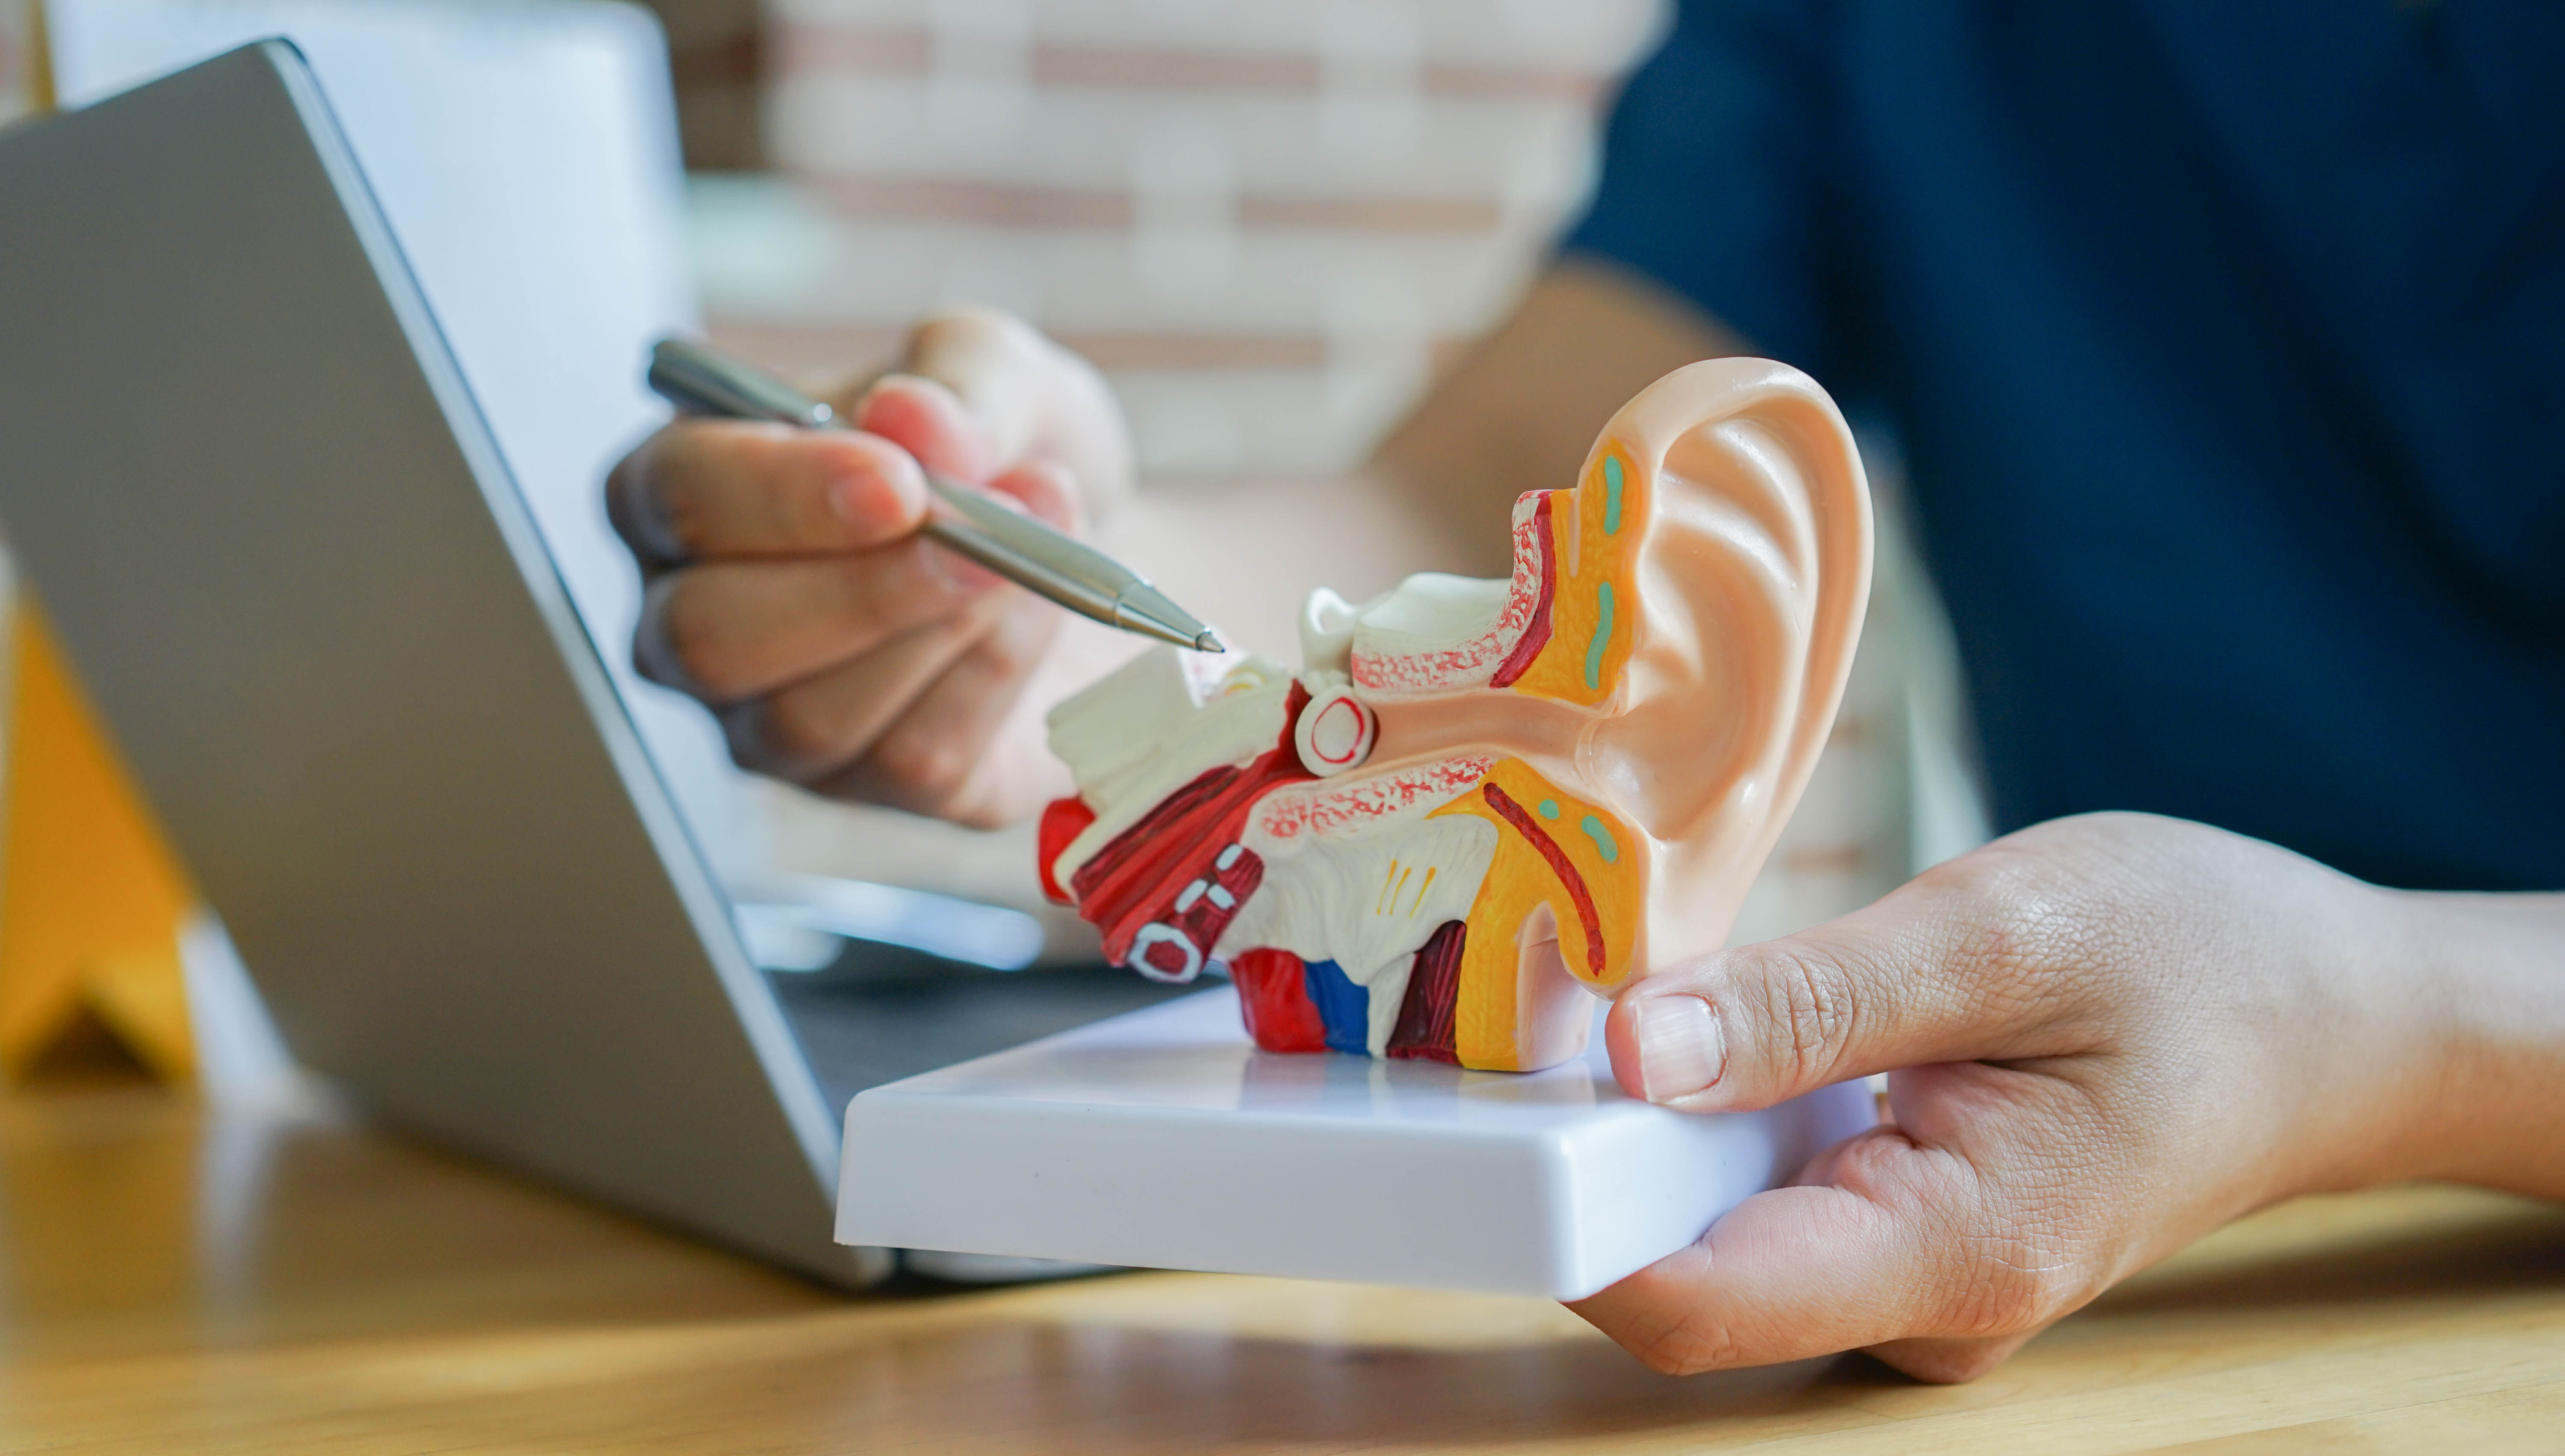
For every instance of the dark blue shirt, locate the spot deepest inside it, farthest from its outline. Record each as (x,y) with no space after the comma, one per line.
(2225,344)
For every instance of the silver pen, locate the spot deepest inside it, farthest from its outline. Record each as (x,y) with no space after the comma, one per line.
(964,521)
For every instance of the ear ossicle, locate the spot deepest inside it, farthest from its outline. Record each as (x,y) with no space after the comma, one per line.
(1334,733)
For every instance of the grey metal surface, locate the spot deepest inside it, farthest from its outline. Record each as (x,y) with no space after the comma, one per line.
(265,517)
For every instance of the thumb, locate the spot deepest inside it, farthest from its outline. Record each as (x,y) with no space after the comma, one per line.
(1936,971)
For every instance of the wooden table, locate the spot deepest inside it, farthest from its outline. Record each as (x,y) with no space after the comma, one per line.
(179,1282)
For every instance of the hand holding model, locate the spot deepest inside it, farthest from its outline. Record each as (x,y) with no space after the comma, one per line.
(2104,1035)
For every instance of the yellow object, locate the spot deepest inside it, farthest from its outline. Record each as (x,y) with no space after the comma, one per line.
(40,60)
(91,897)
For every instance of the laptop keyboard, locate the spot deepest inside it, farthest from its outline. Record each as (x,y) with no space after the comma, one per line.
(879,1014)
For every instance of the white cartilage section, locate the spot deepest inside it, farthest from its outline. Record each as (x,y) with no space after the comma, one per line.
(1193,893)
(1326,632)
(1434,633)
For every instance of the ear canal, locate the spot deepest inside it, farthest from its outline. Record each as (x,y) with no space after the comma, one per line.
(1752,576)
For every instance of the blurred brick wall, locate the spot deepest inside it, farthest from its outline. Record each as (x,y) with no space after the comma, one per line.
(1266,221)
(717,61)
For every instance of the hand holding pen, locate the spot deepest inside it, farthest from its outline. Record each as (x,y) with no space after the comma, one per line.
(1011,544)
(794,587)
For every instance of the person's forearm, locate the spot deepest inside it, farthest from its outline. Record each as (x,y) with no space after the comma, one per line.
(2494,969)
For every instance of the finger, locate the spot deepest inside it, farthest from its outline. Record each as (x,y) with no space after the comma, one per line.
(924,418)
(937,758)
(997,369)
(727,631)
(1045,489)
(1963,963)
(731,488)
(1022,396)
(1872,1257)
(811,729)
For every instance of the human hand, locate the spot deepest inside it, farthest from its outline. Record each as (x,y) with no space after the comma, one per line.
(2104,1036)
(788,588)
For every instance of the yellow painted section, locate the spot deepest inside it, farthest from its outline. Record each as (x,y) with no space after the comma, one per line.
(1589,559)
(91,897)
(1520,880)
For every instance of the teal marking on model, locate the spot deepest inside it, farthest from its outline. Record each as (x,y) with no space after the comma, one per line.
(1604,845)
(1611,495)
(1603,637)
(1549,809)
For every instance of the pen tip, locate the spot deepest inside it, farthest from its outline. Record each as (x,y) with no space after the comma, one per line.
(1207,644)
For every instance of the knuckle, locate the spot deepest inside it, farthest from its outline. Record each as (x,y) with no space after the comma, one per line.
(637,500)
(744,734)
(2022,936)
(902,587)
(957,343)
(2013,1284)
(1810,1014)
(1012,652)
(795,738)
(665,507)
(928,767)
(678,647)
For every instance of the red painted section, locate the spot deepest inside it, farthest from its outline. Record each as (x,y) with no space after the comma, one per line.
(1536,636)
(1204,919)
(1136,879)
(1504,803)
(1063,819)
(1426,1014)
(1273,992)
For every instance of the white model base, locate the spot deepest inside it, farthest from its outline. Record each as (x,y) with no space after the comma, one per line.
(1163,1139)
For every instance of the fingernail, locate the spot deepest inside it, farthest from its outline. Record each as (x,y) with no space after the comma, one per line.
(1680,1049)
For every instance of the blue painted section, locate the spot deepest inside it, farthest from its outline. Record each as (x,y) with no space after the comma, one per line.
(1344,1007)
(1603,637)
(1604,845)
(1611,495)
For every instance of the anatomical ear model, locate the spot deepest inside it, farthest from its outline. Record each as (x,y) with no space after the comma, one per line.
(1478,799)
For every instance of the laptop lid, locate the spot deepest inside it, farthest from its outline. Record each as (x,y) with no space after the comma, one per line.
(271,526)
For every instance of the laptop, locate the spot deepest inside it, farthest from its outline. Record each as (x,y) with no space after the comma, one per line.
(268,518)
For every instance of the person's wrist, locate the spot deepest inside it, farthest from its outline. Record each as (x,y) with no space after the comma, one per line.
(2489,976)
(2361,1060)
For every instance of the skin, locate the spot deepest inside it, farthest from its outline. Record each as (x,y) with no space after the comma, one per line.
(2104,1036)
